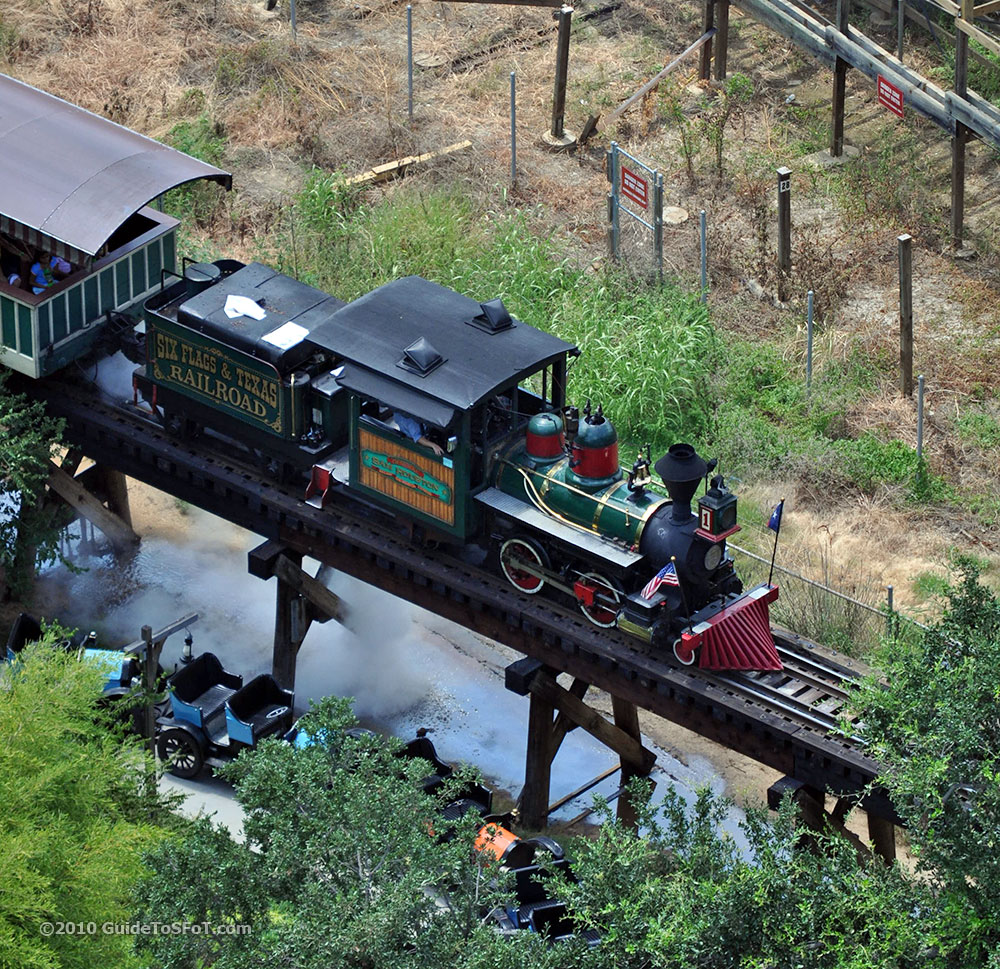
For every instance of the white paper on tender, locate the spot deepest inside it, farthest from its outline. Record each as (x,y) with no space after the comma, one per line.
(243,306)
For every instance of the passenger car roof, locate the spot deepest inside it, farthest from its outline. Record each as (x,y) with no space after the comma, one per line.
(71,177)
(373,332)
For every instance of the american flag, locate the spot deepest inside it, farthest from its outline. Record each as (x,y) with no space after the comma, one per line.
(667,574)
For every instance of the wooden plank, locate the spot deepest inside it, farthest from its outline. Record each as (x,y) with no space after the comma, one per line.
(978,35)
(652,82)
(981,9)
(393,169)
(626,720)
(73,493)
(546,688)
(329,605)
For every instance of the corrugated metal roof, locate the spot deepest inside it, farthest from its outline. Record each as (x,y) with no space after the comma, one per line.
(76,177)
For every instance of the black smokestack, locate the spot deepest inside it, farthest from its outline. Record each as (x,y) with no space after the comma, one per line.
(681,470)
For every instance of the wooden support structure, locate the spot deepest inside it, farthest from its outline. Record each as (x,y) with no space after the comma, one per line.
(118,532)
(300,600)
(883,837)
(840,84)
(537,764)
(528,677)
(557,136)
(627,719)
(961,137)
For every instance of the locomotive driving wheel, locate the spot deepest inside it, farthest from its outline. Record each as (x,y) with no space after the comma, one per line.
(516,553)
(599,599)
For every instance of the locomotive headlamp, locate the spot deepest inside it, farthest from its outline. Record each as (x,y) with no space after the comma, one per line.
(713,557)
(717,512)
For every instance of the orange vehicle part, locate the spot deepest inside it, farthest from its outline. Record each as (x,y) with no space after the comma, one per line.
(497,840)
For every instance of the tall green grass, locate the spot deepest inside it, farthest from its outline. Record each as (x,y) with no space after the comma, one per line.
(647,352)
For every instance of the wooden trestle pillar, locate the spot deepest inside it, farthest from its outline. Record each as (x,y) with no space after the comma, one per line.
(87,493)
(299,601)
(528,677)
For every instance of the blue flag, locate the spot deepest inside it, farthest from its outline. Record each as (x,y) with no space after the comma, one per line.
(775,523)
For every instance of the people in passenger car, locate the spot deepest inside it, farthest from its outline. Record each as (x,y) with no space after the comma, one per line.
(48,270)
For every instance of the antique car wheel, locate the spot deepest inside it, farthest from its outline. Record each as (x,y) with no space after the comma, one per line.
(181,752)
(524,550)
(601,613)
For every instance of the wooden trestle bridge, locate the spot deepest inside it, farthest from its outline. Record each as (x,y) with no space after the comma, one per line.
(787,721)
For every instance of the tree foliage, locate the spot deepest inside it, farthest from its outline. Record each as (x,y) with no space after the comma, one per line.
(933,720)
(26,444)
(74,823)
(344,866)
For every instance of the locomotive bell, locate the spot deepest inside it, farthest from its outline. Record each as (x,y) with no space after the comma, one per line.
(681,470)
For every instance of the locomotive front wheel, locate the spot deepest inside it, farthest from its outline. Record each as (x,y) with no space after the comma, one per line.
(181,752)
(605,606)
(513,553)
(683,654)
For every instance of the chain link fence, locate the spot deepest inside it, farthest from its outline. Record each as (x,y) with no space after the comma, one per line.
(850,624)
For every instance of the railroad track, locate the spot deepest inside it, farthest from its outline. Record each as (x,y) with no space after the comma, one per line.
(774,720)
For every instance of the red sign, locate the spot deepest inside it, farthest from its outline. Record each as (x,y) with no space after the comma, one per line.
(890,96)
(635,187)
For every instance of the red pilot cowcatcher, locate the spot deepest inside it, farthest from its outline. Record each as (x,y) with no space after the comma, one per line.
(735,638)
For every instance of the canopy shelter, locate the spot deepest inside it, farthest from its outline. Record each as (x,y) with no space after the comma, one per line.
(69,178)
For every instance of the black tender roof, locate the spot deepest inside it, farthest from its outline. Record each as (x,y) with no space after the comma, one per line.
(284,300)
(75,177)
(373,332)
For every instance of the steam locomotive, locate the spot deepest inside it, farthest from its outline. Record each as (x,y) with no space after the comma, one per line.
(497,458)
(445,412)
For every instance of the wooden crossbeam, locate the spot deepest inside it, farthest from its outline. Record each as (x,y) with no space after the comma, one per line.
(393,169)
(327,604)
(74,494)
(628,748)
(978,35)
(653,81)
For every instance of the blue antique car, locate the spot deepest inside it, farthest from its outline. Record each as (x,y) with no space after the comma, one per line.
(213,715)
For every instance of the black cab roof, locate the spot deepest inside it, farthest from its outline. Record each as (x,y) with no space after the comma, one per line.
(423,348)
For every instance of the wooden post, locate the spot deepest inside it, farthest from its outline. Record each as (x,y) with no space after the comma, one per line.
(722,51)
(961,137)
(558,137)
(883,838)
(151,660)
(626,719)
(116,489)
(708,22)
(906,315)
(538,764)
(840,84)
(784,221)
(288,632)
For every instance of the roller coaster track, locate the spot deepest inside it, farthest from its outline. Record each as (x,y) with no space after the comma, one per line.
(786,721)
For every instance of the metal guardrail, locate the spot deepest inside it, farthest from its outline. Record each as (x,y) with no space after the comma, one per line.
(813,33)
